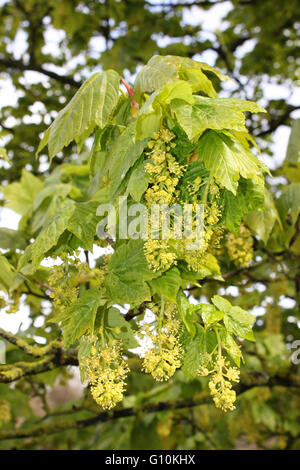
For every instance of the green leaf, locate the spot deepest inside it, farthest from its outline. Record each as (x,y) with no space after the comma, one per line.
(156,73)
(221,303)
(209,314)
(7,275)
(129,270)
(227,159)
(80,317)
(51,190)
(161,70)
(232,211)
(199,81)
(207,68)
(91,106)
(213,113)
(239,322)
(148,123)
(167,284)
(188,118)
(235,106)
(250,197)
(262,222)
(129,262)
(291,165)
(121,329)
(149,118)
(187,312)
(20,196)
(12,239)
(251,194)
(236,320)
(122,155)
(150,114)
(209,267)
(288,206)
(196,350)
(49,236)
(46,204)
(183,149)
(289,203)
(179,90)
(231,347)
(138,182)
(123,292)
(293,151)
(83,223)
(84,351)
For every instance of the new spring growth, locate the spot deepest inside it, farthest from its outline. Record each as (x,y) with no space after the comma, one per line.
(222,376)
(240,247)
(165,174)
(107,371)
(165,355)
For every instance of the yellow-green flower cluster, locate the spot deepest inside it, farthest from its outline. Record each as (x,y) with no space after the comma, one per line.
(240,248)
(63,288)
(220,384)
(194,187)
(65,279)
(213,214)
(159,254)
(164,172)
(163,169)
(12,305)
(107,371)
(208,243)
(194,259)
(165,356)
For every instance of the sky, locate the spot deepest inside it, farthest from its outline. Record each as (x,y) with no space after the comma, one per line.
(210,20)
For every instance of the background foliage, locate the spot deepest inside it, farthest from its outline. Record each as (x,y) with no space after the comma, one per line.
(258,47)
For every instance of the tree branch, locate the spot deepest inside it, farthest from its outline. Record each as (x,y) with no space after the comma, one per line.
(229,274)
(19,65)
(36,351)
(105,416)
(134,312)
(257,380)
(35,294)
(276,122)
(11,372)
(199,3)
(52,356)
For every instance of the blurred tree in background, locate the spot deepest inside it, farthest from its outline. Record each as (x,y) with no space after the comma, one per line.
(47,49)
(257,46)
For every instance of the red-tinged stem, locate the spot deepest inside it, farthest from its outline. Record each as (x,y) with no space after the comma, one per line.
(130,93)
(128,87)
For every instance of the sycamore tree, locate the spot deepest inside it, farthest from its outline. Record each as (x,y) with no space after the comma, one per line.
(168,339)
(164,327)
